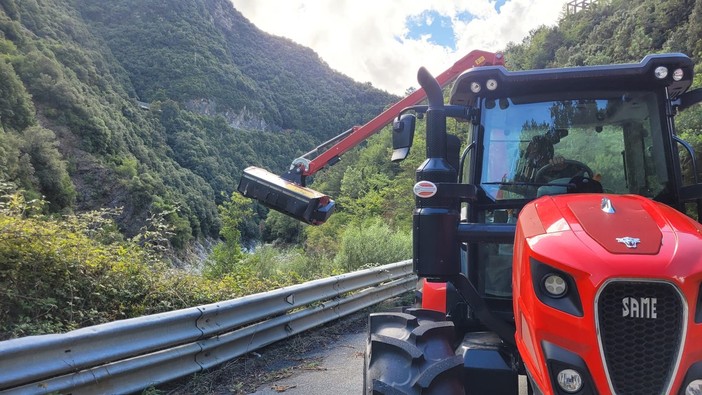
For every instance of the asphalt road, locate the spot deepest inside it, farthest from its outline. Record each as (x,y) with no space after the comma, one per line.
(336,369)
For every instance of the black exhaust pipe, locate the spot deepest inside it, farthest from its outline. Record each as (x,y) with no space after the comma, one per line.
(435,219)
(294,200)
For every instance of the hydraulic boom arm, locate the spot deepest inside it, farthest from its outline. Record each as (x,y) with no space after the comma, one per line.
(357,134)
(288,194)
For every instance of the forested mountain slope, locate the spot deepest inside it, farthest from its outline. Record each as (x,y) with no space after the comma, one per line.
(613,31)
(207,54)
(223,95)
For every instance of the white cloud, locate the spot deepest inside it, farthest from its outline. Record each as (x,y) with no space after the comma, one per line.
(360,37)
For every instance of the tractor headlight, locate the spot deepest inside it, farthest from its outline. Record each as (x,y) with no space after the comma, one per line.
(678,74)
(570,380)
(555,285)
(660,72)
(694,388)
(475,87)
(555,288)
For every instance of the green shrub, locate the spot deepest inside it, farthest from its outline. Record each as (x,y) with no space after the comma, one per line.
(127,168)
(59,274)
(279,228)
(372,243)
(287,266)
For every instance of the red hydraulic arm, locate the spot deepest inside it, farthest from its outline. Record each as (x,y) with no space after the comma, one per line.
(357,134)
(288,194)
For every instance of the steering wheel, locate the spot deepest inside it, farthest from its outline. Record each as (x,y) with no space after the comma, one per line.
(581,170)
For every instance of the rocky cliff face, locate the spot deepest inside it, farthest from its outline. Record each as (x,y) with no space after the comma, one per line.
(242,119)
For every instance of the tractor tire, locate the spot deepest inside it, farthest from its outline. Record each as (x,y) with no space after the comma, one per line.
(412,353)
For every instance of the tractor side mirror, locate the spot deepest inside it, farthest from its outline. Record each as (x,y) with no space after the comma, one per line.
(689,99)
(402,136)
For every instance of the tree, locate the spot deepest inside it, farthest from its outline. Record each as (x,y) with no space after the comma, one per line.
(48,166)
(228,254)
(279,228)
(16,108)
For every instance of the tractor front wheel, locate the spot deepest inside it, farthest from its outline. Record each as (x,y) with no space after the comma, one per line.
(412,353)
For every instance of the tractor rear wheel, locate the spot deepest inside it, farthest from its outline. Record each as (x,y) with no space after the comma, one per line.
(412,353)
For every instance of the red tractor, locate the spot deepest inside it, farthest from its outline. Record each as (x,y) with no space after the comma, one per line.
(554,245)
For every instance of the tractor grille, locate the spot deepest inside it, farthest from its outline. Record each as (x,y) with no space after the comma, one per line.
(641,330)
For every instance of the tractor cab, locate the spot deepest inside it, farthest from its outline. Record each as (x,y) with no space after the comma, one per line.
(603,129)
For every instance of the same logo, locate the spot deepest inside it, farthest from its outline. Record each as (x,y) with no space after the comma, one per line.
(640,307)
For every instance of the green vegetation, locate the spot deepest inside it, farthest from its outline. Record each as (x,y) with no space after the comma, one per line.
(612,31)
(345,246)
(62,273)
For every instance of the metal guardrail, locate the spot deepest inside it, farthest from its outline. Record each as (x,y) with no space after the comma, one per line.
(130,355)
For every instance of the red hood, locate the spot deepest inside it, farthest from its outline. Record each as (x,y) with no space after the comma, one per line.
(627,228)
(574,229)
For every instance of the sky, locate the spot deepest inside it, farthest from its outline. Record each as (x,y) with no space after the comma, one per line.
(384,42)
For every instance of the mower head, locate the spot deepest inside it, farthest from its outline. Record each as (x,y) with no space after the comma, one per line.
(289,198)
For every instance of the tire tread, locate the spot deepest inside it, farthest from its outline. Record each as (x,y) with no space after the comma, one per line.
(419,339)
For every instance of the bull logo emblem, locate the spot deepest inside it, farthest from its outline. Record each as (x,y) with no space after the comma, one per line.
(629,242)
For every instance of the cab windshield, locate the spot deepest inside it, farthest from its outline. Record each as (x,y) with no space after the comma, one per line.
(535,147)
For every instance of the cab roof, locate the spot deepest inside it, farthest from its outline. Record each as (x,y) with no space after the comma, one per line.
(632,76)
